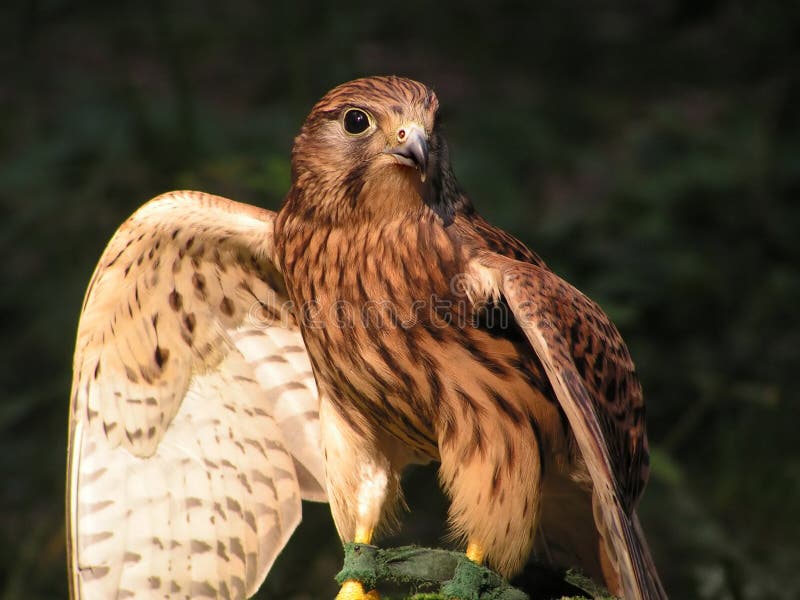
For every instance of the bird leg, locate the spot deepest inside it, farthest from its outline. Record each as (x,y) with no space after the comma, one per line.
(494,492)
(361,478)
(475,552)
(353,589)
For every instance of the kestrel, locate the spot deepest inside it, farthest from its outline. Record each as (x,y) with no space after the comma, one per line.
(231,361)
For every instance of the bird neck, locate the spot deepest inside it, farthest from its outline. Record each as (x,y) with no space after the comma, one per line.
(372,197)
(325,241)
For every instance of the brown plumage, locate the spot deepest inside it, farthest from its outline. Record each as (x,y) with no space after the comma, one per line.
(431,334)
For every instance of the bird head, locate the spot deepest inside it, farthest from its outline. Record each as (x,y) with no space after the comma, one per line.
(372,146)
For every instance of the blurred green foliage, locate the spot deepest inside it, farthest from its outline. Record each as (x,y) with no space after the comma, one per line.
(650,152)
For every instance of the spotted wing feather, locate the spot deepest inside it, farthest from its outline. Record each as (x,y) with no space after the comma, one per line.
(194,416)
(593,377)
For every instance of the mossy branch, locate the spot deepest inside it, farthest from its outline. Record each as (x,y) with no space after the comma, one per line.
(436,574)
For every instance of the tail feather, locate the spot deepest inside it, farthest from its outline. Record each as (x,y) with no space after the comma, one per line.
(646,573)
(629,553)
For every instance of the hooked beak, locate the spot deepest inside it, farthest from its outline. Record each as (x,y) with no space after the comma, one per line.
(412,148)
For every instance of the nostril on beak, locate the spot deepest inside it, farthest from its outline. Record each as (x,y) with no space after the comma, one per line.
(412,148)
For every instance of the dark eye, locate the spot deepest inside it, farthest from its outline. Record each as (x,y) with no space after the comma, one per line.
(355,121)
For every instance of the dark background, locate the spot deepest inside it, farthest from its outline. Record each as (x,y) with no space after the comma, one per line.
(649,151)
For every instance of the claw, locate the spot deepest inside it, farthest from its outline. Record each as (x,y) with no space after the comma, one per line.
(353,590)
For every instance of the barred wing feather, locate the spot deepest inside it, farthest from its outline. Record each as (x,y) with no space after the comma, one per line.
(194,428)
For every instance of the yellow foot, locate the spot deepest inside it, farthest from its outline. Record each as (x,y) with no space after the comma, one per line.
(353,590)
(475,552)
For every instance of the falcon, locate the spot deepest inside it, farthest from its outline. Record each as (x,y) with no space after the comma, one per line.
(231,361)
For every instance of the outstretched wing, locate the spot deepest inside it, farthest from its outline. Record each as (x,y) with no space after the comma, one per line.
(594,379)
(194,416)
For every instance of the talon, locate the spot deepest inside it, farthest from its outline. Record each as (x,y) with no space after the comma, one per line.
(353,590)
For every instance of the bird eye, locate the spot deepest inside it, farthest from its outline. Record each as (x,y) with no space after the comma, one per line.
(356,121)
